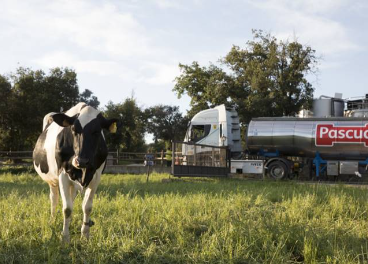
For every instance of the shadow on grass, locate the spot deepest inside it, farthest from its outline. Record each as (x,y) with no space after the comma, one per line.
(322,242)
(51,250)
(112,185)
(16,170)
(25,184)
(54,251)
(15,180)
(184,186)
(290,240)
(23,187)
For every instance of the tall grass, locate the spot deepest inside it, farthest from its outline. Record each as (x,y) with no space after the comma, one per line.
(188,221)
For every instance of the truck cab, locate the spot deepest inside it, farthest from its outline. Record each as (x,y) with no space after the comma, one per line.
(218,126)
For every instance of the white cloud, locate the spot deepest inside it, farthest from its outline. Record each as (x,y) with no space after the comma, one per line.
(176,4)
(315,7)
(138,44)
(65,59)
(359,7)
(83,24)
(89,37)
(167,4)
(326,36)
(146,72)
(312,22)
(162,73)
(106,30)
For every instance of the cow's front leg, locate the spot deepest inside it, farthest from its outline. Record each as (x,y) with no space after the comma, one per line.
(87,209)
(54,198)
(65,191)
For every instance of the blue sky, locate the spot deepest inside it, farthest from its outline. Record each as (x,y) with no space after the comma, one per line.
(131,47)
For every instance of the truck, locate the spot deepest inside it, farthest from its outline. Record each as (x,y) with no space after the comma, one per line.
(330,140)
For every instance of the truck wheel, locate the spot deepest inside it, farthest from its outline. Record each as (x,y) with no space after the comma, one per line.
(277,170)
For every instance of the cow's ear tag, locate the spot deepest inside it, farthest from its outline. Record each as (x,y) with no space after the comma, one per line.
(113,128)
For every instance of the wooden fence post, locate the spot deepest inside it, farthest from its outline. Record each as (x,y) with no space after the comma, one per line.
(117,156)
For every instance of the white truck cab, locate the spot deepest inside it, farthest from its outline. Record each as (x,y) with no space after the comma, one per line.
(218,126)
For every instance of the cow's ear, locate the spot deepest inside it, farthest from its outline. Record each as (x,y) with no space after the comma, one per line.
(110,124)
(63,120)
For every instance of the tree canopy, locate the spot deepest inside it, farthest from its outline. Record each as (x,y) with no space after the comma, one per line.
(131,135)
(27,96)
(266,78)
(88,98)
(166,123)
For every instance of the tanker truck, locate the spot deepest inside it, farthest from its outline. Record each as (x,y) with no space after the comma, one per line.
(330,140)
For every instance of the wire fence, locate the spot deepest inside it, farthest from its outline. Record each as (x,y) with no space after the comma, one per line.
(15,158)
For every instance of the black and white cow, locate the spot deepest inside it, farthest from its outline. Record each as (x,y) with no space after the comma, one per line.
(70,154)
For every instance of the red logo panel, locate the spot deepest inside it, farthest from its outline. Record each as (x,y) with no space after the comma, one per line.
(327,134)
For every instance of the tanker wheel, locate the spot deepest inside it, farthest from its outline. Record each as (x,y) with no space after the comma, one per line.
(278,170)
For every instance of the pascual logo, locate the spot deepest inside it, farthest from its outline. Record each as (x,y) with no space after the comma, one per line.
(328,134)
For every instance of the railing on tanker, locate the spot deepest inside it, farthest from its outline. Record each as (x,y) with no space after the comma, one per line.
(199,160)
(16,158)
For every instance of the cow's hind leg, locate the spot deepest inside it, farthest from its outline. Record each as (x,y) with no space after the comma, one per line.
(66,195)
(54,198)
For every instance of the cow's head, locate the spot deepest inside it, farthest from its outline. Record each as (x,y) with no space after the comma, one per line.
(87,138)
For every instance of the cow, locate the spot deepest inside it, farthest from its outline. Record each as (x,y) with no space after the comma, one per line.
(70,155)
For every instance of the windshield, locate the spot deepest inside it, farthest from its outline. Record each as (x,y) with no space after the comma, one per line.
(199,132)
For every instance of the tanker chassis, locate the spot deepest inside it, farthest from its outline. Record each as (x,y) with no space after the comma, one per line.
(332,142)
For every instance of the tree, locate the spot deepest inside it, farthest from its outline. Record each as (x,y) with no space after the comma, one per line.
(27,96)
(34,95)
(88,98)
(166,123)
(61,88)
(207,87)
(131,136)
(6,103)
(266,78)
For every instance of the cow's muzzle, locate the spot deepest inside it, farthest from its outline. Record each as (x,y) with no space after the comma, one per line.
(80,163)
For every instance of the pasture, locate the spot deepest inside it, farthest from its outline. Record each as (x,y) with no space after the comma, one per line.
(187,221)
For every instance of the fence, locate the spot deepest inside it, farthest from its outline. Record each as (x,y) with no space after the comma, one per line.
(15,157)
(125,158)
(200,160)
(113,158)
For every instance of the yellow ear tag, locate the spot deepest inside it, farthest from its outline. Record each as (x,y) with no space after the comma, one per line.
(113,128)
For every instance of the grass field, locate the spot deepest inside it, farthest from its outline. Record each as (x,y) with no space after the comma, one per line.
(188,221)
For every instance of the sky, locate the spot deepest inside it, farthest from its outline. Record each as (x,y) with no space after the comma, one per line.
(124,48)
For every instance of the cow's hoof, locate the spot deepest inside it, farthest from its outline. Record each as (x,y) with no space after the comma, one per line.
(66,239)
(52,219)
(85,237)
(85,234)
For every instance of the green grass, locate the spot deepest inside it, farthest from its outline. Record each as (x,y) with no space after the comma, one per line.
(188,221)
